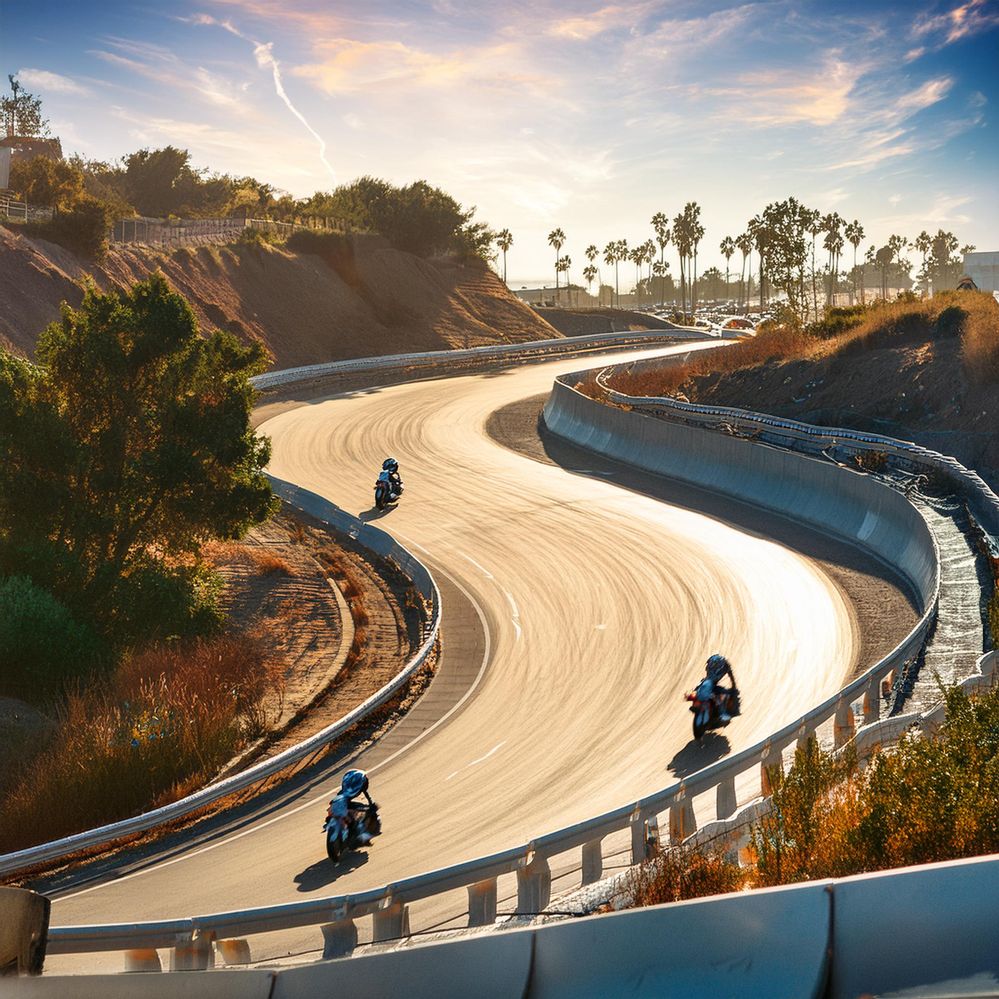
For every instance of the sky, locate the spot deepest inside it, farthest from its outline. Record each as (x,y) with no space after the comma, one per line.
(582,115)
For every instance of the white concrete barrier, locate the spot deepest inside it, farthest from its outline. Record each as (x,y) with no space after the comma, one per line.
(767,944)
(848,504)
(934,930)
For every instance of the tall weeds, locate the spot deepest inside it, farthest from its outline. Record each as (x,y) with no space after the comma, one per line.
(160,727)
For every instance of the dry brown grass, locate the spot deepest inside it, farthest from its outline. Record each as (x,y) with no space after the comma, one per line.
(269,563)
(160,727)
(680,873)
(972,316)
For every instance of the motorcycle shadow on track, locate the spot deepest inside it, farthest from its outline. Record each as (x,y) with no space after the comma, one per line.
(699,753)
(322,872)
(374,514)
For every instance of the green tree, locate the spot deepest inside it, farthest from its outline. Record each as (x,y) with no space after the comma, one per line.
(124,451)
(611,258)
(45,181)
(745,246)
(22,112)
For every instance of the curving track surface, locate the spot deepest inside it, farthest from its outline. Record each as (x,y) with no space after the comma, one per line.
(598,605)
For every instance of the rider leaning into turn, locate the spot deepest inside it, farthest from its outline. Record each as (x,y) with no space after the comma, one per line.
(391,465)
(717,668)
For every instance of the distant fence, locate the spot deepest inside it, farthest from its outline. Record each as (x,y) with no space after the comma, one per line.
(21,211)
(196,232)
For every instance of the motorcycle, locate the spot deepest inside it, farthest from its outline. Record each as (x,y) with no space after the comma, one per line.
(706,705)
(385,490)
(345,827)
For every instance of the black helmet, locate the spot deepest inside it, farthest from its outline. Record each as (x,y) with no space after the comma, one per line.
(390,465)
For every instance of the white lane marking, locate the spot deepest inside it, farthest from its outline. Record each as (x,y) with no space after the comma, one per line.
(516,613)
(481,759)
(478,565)
(486,652)
(600,627)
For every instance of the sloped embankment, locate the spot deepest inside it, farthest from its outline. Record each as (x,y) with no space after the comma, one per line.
(366,299)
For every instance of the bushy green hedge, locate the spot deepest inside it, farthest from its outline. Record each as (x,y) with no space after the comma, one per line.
(84,229)
(41,644)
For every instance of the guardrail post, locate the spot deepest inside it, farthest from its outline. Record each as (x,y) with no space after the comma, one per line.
(805,735)
(234,952)
(339,938)
(593,861)
(534,886)
(198,955)
(844,726)
(887,684)
(24,926)
(872,703)
(644,838)
(482,903)
(142,959)
(681,820)
(725,801)
(772,761)
(390,923)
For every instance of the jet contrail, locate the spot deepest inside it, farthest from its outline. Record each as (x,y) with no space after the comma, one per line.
(264,53)
(265,57)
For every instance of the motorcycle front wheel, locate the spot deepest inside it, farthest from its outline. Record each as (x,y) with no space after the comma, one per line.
(700,725)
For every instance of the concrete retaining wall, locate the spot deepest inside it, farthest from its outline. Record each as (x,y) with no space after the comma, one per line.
(847,504)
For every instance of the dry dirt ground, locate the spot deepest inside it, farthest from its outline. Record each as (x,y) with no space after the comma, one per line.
(340,623)
(378,300)
(915,391)
(882,608)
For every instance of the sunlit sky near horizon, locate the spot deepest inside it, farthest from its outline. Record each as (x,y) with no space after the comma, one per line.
(583,115)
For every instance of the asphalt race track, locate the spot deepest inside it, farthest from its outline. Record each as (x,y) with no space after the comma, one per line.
(576,614)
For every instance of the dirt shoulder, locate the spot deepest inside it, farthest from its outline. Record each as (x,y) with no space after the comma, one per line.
(883,609)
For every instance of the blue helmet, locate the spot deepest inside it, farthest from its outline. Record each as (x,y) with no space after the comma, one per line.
(390,465)
(353,783)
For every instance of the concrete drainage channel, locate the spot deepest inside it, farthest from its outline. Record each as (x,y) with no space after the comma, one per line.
(815,491)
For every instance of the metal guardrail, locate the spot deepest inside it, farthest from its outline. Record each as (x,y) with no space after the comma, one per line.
(372,538)
(24,212)
(528,861)
(447,358)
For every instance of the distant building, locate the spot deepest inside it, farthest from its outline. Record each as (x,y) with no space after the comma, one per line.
(983,269)
(22,148)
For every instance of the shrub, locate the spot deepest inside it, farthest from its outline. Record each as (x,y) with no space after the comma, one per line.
(837,320)
(84,229)
(163,725)
(42,645)
(680,873)
(981,336)
(252,236)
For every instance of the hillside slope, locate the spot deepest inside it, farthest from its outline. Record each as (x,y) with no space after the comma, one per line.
(369,299)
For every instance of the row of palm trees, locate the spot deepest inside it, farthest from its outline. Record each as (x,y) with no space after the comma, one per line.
(783,236)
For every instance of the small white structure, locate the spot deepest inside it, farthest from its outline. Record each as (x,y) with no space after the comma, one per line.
(983,269)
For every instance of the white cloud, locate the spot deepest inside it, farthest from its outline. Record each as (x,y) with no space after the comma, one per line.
(963,21)
(46,81)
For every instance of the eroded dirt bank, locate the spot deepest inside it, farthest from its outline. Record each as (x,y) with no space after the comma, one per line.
(363,300)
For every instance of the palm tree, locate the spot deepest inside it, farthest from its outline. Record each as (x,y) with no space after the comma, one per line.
(591,253)
(833,243)
(660,223)
(611,259)
(922,244)
(556,238)
(562,265)
(745,245)
(622,254)
(637,257)
(854,234)
(589,272)
(650,255)
(813,226)
(696,235)
(870,257)
(727,248)
(504,240)
(681,240)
